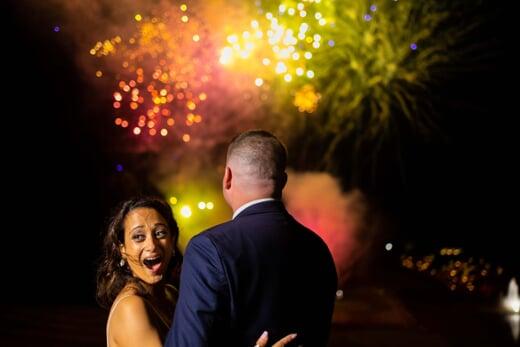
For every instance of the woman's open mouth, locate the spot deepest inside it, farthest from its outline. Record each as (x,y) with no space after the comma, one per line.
(154,263)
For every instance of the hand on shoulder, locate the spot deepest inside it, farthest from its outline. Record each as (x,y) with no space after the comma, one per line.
(262,341)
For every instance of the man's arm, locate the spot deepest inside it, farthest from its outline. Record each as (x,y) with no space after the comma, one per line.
(202,286)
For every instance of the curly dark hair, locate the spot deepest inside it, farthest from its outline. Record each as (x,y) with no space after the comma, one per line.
(111,277)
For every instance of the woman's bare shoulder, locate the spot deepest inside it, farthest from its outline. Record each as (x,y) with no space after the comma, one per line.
(130,321)
(129,307)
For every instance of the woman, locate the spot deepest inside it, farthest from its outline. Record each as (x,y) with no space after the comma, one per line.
(139,268)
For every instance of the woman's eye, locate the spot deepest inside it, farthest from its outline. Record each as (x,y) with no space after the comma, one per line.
(161,233)
(138,237)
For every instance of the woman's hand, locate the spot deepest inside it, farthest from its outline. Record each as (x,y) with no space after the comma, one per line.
(262,341)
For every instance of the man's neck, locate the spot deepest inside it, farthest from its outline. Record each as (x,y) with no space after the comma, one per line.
(250,203)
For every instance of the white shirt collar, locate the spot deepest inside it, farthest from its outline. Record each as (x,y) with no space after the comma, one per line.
(250,203)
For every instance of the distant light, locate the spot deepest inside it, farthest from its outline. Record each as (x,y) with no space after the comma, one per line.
(339,294)
(186,138)
(280,68)
(373,8)
(56,29)
(233,39)
(119,168)
(186,211)
(184,19)
(367,17)
(173,200)
(99,73)
(310,74)
(191,105)
(226,55)
(118,96)
(196,38)
(259,82)
(202,205)
(389,246)
(137,131)
(138,17)
(413,46)
(331,43)
(209,205)
(184,7)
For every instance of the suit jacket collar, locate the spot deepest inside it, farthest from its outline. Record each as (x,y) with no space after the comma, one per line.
(262,207)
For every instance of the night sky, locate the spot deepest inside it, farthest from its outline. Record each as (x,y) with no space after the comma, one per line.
(458,188)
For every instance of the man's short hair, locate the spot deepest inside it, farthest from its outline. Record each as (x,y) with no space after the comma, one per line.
(260,152)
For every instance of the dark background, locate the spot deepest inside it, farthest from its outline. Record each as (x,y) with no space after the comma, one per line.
(60,178)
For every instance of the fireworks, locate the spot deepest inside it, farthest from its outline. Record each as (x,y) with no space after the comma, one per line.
(277,49)
(306,99)
(160,72)
(383,63)
(354,65)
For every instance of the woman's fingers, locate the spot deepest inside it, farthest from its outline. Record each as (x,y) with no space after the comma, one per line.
(262,340)
(282,342)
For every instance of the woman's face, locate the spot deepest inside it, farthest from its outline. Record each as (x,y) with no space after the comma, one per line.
(148,244)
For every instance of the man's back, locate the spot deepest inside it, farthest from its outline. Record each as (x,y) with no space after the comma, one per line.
(260,271)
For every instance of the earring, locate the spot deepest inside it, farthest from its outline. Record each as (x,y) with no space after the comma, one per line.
(121,262)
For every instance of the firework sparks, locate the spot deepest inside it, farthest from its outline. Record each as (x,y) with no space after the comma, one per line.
(277,49)
(161,71)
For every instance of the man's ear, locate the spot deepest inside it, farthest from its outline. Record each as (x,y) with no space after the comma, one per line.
(228,175)
(279,185)
(284,180)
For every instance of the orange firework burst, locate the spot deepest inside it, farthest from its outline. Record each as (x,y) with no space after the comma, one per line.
(161,71)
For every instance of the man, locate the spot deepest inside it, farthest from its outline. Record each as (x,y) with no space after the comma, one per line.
(260,271)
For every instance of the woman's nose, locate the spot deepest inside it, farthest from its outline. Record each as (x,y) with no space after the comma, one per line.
(151,243)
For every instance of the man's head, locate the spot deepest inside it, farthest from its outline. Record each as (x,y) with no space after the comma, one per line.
(255,168)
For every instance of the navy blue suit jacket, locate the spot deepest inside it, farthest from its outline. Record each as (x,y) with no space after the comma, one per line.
(261,271)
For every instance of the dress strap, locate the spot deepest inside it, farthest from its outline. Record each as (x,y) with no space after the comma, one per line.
(112,309)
